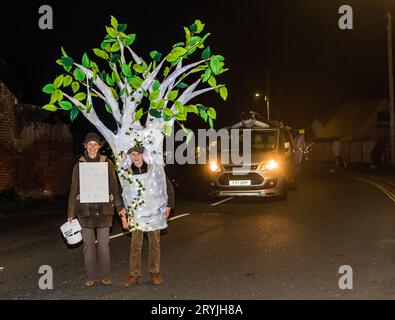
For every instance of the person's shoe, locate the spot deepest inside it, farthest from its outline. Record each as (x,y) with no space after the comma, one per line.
(106,282)
(131,281)
(89,283)
(156,279)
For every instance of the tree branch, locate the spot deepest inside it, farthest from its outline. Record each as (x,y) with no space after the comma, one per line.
(92,118)
(112,102)
(134,100)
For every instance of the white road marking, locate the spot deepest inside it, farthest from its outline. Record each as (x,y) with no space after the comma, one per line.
(217,203)
(129,232)
(383,189)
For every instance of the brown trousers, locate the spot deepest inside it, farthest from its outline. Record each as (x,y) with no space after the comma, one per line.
(96,257)
(153,252)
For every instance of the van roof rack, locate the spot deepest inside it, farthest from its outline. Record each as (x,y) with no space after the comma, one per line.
(253,119)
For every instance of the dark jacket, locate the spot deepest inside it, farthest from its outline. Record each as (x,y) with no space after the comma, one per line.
(94,215)
(171,203)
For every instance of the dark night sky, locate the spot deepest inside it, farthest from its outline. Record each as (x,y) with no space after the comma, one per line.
(313,64)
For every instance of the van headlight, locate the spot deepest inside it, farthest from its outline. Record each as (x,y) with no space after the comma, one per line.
(270,165)
(214,167)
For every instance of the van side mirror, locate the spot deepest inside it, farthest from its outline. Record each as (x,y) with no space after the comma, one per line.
(287,146)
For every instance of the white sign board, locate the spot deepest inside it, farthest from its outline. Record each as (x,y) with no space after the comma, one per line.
(94,182)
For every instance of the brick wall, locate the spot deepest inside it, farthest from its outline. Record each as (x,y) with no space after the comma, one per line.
(36,157)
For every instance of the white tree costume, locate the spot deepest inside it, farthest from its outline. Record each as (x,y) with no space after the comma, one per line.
(144,195)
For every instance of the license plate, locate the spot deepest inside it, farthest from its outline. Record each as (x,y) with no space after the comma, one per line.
(240,182)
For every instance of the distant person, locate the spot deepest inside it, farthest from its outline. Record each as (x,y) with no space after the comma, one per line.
(300,144)
(95,218)
(337,151)
(377,153)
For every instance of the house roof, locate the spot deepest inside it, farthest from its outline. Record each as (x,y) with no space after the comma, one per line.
(347,121)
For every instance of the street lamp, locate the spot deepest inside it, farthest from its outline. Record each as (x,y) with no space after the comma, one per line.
(267,100)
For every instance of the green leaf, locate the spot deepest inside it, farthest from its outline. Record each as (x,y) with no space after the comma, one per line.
(64,54)
(212,82)
(223,71)
(75,86)
(155,55)
(168,112)
(136,82)
(122,27)
(179,44)
(50,107)
(203,115)
(85,60)
(166,117)
(156,85)
(157,104)
(126,70)
(207,75)
(220,58)
(167,129)
(73,114)
(154,95)
(67,61)
(139,68)
(138,115)
(108,108)
(114,22)
(212,113)
(179,107)
(172,95)
(192,108)
(49,88)
(101,54)
(113,33)
(58,95)
(193,28)
(171,57)
(109,80)
(80,96)
(79,75)
(215,65)
(58,81)
(115,58)
(115,47)
(130,39)
(199,25)
(187,33)
(66,105)
(224,93)
(166,72)
(178,52)
(194,40)
(181,116)
(211,122)
(206,53)
(182,85)
(123,91)
(155,113)
(206,36)
(67,81)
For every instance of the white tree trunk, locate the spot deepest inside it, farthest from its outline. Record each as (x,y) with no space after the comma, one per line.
(144,195)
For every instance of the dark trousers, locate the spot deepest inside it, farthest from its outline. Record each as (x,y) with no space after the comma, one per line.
(153,252)
(96,256)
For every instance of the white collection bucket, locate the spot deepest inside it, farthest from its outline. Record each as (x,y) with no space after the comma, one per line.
(72,232)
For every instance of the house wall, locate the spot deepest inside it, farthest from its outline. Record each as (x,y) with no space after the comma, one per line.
(36,157)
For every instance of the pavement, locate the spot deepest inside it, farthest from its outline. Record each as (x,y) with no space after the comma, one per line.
(238,249)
